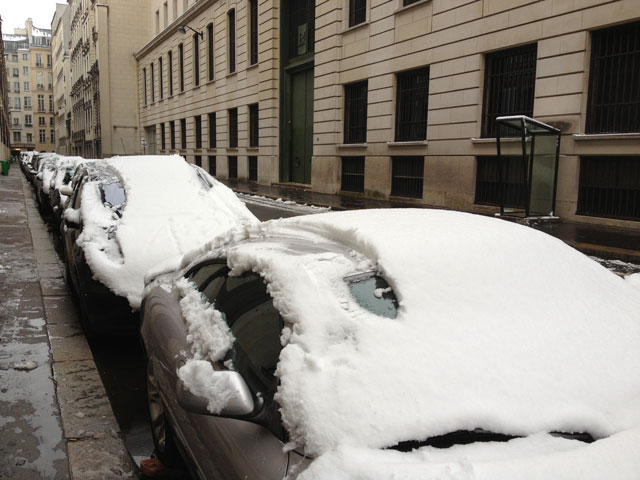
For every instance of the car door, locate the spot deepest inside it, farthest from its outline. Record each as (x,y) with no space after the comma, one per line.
(223,447)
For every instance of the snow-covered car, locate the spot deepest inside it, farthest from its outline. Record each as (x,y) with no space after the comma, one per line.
(129,214)
(46,170)
(32,167)
(25,160)
(381,344)
(60,184)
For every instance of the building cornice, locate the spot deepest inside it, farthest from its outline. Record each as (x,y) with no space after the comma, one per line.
(170,29)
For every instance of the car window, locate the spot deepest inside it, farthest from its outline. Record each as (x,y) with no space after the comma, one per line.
(112,194)
(202,275)
(77,199)
(373,293)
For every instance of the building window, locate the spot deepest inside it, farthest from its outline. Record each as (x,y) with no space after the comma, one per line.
(301,20)
(355,113)
(253,168)
(53,136)
(153,84)
(412,104)
(29,137)
(49,64)
(357,12)
(41,103)
(26,86)
(166,14)
(27,102)
(407,175)
(25,71)
(43,136)
(175,9)
(509,87)
(160,83)
(233,127)
(253,32)
(212,130)
(42,121)
(610,187)
(212,165)
(181,66)
(28,120)
(409,2)
(198,127)
(51,121)
(233,167)
(17,137)
(183,133)
(231,29)
(25,56)
(170,72)
(614,97)
(196,59)
(503,179)
(38,60)
(172,134)
(198,160)
(144,81)
(163,141)
(352,174)
(50,103)
(157,21)
(254,126)
(210,51)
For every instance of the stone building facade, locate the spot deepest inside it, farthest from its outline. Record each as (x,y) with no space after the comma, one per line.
(28,68)
(5,138)
(103,99)
(60,41)
(399,98)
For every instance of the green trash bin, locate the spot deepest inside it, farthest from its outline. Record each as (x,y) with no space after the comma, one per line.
(5,167)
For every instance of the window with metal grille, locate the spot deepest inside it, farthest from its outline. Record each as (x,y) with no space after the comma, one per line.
(163,141)
(210,50)
(170,72)
(212,130)
(512,170)
(198,160)
(301,22)
(352,174)
(160,81)
(509,87)
(412,103)
(233,167)
(253,35)
(610,187)
(355,112)
(233,127)
(212,165)
(196,59)
(253,168)
(231,29)
(183,132)
(407,176)
(614,96)
(254,127)
(198,127)
(181,66)
(172,134)
(357,12)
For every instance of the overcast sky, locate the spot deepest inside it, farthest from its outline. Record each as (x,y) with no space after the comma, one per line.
(15,12)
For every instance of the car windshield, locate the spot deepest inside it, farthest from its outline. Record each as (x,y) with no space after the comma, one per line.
(373,293)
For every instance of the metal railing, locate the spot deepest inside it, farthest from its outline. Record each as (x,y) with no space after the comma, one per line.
(407,176)
(352,174)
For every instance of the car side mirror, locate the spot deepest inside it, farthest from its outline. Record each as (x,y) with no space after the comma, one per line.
(240,401)
(66,190)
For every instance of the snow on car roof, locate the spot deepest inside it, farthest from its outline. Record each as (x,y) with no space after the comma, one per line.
(499,327)
(167,213)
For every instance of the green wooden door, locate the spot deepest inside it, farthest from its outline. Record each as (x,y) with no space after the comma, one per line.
(301,126)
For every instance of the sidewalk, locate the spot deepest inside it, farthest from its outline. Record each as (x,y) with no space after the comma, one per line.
(55,418)
(605,242)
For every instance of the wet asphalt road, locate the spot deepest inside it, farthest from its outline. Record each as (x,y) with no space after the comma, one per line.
(122,366)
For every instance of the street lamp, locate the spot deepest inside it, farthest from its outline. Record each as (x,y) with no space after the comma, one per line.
(183,29)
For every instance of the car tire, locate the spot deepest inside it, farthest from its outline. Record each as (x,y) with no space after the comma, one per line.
(166,449)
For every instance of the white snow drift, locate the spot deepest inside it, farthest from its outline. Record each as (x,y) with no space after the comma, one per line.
(499,327)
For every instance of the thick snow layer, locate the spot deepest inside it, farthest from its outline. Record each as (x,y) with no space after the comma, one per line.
(168,211)
(281,204)
(634,279)
(499,327)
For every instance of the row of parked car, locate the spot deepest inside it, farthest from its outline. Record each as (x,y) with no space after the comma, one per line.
(406,343)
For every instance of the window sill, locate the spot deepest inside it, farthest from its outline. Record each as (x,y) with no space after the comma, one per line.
(606,136)
(253,66)
(252,149)
(409,7)
(351,145)
(232,74)
(415,143)
(209,82)
(196,87)
(494,140)
(355,27)
(232,149)
(212,149)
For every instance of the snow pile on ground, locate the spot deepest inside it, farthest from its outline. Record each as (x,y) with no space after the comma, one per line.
(170,208)
(499,327)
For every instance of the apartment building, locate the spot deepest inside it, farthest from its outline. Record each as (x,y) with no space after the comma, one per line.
(399,98)
(103,99)
(60,41)
(5,138)
(208,86)
(42,90)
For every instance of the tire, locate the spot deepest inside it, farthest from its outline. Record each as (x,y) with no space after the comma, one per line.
(163,438)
